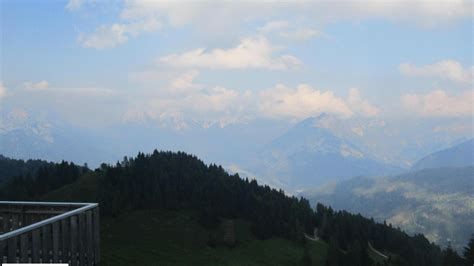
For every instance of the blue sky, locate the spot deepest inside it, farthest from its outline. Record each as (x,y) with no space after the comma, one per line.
(106,62)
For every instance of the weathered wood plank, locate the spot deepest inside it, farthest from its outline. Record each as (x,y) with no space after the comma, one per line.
(55,236)
(21,218)
(6,222)
(35,246)
(89,238)
(26,220)
(46,242)
(82,244)
(14,223)
(65,235)
(24,246)
(12,246)
(3,246)
(96,235)
(74,240)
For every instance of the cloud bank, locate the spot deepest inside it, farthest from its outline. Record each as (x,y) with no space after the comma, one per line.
(110,36)
(446,69)
(227,16)
(41,85)
(249,53)
(438,103)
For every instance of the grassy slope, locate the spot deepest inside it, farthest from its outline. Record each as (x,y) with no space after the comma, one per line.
(175,238)
(83,190)
(162,237)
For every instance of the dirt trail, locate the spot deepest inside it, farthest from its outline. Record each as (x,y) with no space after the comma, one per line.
(376,251)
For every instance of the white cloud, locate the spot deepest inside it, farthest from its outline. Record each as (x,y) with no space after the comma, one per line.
(300,103)
(104,37)
(41,85)
(178,13)
(184,100)
(438,103)
(224,17)
(152,76)
(217,99)
(180,100)
(446,69)
(169,81)
(301,34)
(207,106)
(290,31)
(44,87)
(185,82)
(74,4)
(305,101)
(360,105)
(275,25)
(110,36)
(83,91)
(249,53)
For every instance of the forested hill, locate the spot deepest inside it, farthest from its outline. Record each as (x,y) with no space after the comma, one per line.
(435,202)
(177,181)
(461,155)
(13,167)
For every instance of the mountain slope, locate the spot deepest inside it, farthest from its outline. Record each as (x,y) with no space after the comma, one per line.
(167,181)
(310,154)
(177,238)
(436,202)
(457,156)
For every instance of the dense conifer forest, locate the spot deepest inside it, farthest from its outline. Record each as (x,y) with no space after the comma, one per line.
(48,177)
(12,167)
(178,181)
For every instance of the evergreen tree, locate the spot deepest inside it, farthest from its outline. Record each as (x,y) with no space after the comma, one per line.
(469,252)
(451,258)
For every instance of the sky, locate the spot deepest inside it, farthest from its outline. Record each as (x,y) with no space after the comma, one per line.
(100,63)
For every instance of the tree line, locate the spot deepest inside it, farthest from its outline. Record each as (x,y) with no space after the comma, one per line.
(14,167)
(34,184)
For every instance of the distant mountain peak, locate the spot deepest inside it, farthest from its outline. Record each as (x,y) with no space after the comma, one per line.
(311,153)
(323,120)
(20,120)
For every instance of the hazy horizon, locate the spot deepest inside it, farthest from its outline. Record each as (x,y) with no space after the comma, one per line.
(239,74)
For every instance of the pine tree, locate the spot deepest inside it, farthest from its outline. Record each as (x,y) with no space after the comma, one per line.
(469,252)
(450,257)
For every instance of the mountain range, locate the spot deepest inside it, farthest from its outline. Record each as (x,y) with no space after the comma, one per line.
(437,202)
(282,154)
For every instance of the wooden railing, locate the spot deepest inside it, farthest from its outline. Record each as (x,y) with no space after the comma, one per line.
(49,232)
